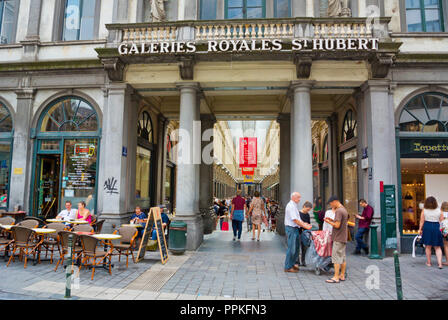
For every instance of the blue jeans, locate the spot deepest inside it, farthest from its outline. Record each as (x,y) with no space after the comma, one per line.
(359,239)
(237,226)
(293,241)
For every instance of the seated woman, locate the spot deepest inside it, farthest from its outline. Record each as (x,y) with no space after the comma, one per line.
(139,217)
(84,213)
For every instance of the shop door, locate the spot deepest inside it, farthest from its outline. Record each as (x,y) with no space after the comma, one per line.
(46,186)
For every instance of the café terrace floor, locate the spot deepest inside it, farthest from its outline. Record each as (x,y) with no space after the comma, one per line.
(223,269)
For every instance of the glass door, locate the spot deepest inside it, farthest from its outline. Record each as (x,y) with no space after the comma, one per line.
(46,186)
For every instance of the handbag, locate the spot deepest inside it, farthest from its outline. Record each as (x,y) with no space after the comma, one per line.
(417,243)
(225,226)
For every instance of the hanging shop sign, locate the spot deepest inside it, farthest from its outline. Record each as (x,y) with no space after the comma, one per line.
(248,152)
(424,148)
(274,45)
(249,179)
(247,171)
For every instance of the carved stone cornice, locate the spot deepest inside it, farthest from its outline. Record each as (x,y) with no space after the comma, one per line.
(186,67)
(114,67)
(380,64)
(303,65)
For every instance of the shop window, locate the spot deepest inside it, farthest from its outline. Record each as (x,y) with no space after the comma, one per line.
(66,157)
(427,112)
(349,127)
(282,8)
(245,9)
(8,20)
(424,16)
(208,9)
(144,162)
(70,114)
(79,20)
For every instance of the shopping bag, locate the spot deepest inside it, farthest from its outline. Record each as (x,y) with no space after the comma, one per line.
(225,226)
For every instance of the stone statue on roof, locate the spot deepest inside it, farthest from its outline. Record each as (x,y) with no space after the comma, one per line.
(158,13)
(338,8)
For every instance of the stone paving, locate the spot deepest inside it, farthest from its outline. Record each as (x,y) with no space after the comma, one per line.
(224,269)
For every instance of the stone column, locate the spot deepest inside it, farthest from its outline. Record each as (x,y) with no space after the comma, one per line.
(380,141)
(284,121)
(20,181)
(187,186)
(115,193)
(161,158)
(333,154)
(32,39)
(301,152)
(206,169)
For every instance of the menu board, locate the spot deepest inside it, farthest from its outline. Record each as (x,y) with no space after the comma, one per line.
(389,217)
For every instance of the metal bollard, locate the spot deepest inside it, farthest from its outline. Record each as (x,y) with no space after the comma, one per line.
(68,269)
(398,276)
(374,243)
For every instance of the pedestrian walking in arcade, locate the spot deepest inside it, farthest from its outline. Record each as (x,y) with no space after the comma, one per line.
(257,211)
(248,216)
(237,214)
(363,226)
(444,228)
(430,230)
(292,225)
(339,237)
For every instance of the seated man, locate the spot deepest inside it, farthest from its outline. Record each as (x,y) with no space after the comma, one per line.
(68,213)
(165,222)
(139,217)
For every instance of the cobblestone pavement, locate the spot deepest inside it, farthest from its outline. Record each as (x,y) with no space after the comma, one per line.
(224,269)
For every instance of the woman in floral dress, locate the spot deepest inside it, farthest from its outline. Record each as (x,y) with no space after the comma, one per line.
(257,210)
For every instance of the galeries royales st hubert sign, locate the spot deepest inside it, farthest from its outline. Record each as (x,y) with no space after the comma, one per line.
(271,45)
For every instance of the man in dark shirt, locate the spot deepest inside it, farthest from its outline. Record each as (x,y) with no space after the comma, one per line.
(363,226)
(339,237)
(305,216)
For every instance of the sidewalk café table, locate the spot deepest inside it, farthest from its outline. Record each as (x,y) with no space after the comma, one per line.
(18,215)
(41,232)
(107,237)
(80,233)
(132,225)
(6,226)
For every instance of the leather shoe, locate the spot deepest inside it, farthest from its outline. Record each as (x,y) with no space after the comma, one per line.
(296,266)
(292,270)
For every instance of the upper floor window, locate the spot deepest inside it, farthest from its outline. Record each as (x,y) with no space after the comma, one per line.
(208,9)
(8,18)
(349,127)
(282,8)
(427,112)
(144,127)
(245,9)
(79,20)
(424,15)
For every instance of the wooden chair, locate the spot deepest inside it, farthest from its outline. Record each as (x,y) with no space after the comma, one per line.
(63,245)
(22,240)
(83,228)
(52,240)
(90,251)
(98,226)
(129,234)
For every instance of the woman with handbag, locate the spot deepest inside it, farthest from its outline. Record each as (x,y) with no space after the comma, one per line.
(430,230)
(257,211)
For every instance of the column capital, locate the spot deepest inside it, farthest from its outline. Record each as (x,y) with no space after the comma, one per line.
(118,88)
(375,85)
(25,93)
(188,85)
(301,85)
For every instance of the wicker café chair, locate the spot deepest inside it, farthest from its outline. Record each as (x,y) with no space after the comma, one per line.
(90,251)
(83,228)
(5,243)
(23,241)
(29,223)
(51,241)
(98,226)
(63,245)
(40,223)
(126,242)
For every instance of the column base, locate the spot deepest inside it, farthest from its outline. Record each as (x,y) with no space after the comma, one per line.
(195,230)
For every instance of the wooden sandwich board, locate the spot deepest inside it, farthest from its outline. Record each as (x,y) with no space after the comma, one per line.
(154,218)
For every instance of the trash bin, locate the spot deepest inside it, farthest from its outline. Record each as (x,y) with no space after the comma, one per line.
(177,242)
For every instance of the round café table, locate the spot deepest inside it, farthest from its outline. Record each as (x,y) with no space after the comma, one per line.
(6,226)
(132,225)
(107,237)
(41,232)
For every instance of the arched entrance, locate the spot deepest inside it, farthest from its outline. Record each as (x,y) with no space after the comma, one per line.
(66,157)
(6,137)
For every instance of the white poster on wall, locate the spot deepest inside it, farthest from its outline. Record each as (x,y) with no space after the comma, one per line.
(436,185)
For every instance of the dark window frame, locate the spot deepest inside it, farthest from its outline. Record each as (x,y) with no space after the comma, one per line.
(422,10)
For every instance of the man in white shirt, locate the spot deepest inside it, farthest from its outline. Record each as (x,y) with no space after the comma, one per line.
(292,224)
(68,213)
